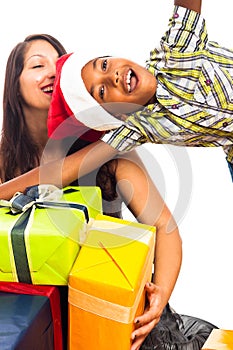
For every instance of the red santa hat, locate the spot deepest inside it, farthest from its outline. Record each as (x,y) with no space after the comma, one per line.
(73,111)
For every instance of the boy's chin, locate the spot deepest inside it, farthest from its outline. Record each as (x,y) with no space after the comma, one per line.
(151,101)
(119,108)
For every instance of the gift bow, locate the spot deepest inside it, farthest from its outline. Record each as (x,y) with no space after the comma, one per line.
(45,196)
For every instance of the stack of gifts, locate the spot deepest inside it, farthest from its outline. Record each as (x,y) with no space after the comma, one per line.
(40,235)
(58,238)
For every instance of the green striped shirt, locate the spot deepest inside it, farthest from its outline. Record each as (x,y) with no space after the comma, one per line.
(194,94)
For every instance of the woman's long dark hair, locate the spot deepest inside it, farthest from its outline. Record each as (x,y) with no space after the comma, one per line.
(18,152)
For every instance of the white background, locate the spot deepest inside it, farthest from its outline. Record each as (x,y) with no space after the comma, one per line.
(131,29)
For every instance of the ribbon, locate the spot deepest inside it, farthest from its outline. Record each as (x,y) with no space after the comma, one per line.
(19,247)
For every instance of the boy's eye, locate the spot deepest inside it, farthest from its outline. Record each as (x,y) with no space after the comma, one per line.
(101,92)
(104,65)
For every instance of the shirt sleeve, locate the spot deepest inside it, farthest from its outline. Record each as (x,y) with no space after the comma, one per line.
(229,153)
(186,31)
(124,138)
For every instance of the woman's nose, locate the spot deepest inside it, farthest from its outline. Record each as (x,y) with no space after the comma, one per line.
(52,71)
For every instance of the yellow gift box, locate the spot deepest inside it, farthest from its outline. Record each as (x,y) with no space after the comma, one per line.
(106,283)
(219,339)
(40,244)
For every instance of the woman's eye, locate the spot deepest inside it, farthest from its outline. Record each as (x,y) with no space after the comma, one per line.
(104,65)
(101,92)
(37,66)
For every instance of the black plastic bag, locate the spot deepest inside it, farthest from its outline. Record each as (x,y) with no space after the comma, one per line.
(177,332)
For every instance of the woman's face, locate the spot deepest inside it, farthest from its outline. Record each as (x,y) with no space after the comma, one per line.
(112,79)
(37,77)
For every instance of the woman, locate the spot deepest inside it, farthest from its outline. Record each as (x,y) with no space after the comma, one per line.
(25,117)
(30,74)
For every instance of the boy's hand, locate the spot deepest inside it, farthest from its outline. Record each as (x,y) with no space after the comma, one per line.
(151,315)
(194,5)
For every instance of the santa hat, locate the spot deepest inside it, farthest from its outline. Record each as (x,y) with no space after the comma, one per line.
(73,110)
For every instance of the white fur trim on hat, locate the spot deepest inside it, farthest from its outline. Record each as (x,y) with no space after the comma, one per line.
(84,107)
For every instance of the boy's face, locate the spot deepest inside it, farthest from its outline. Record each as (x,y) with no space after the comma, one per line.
(111,79)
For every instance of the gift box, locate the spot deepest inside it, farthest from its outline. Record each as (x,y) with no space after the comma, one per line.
(219,339)
(25,322)
(19,321)
(106,284)
(40,238)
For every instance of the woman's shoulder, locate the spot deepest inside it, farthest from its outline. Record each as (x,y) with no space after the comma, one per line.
(129,165)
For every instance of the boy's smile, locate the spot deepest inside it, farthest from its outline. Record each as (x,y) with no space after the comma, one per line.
(118,84)
(131,80)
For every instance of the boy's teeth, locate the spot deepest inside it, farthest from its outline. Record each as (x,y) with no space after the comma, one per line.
(128,78)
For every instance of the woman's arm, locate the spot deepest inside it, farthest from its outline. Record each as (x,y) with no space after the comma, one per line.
(61,172)
(194,5)
(147,205)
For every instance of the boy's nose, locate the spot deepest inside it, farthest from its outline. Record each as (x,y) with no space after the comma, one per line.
(116,77)
(113,78)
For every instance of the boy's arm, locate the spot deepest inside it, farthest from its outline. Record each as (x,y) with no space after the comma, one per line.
(61,172)
(194,5)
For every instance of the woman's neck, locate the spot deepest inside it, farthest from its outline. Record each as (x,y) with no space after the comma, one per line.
(37,127)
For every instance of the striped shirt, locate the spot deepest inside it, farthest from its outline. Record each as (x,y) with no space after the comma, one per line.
(194,95)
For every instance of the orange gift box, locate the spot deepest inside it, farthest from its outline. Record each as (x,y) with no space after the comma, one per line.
(219,339)
(106,284)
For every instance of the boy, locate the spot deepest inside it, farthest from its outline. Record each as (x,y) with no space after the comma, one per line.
(184,96)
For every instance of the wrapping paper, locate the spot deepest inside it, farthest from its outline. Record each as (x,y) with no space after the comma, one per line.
(25,322)
(51,293)
(106,284)
(219,339)
(40,244)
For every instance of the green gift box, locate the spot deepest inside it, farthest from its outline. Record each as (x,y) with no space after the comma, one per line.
(39,244)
